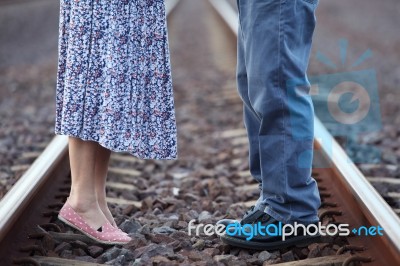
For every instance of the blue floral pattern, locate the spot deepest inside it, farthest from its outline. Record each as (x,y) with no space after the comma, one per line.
(114,82)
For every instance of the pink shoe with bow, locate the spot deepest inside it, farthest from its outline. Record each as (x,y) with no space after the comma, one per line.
(108,234)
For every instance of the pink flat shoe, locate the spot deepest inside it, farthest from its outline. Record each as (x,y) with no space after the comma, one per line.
(108,234)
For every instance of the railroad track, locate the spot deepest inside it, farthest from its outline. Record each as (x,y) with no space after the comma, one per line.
(347,196)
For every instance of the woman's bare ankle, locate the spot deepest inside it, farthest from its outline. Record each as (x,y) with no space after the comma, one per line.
(82,204)
(101,200)
(107,213)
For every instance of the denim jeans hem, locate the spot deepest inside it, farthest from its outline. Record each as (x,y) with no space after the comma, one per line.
(268,210)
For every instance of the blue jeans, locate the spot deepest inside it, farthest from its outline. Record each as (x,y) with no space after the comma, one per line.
(274,45)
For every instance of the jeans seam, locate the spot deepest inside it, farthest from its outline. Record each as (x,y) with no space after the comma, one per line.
(239,21)
(242,38)
(281,87)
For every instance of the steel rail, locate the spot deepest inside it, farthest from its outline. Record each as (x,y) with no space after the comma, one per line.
(19,196)
(375,208)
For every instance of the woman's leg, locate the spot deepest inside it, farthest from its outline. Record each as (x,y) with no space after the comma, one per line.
(101,169)
(83,197)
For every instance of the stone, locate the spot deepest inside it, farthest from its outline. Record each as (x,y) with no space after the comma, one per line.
(209,243)
(164,230)
(79,244)
(315,251)
(179,235)
(160,260)
(110,254)
(95,251)
(172,223)
(137,239)
(144,230)
(237,262)
(288,256)
(138,262)
(161,238)
(224,248)
(224,259)
(253,261)
(186,244)
(176,245)
(129,210)
(275,254)
(118,261)
(157,211)
(153,250)
(193,214)
(244,254)
(327,252)
(66,254)
(174,217)
(79,252)
(189,197)
(177,257)
(264,255)
(301,253)
(199,245)
(181,225)
(194,255)
(63,246)
(185,217)
(234,251)
(128,254)
(389,157)
(130,226)
(204,216)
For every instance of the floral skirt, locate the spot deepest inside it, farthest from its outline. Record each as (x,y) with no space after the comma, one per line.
(114,81)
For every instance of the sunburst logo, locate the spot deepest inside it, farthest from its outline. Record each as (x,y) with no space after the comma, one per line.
(345,100)
(348,102)
(344,45)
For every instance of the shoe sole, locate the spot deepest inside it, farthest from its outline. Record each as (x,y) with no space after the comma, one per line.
(298,241)
(88,235)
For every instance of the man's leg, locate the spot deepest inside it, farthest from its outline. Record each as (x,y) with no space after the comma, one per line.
(250,117)
(251,121)
(276,37)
